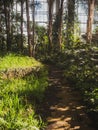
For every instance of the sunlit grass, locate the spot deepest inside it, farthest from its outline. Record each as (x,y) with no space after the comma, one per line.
(17,107)
(19,96)
(17,61)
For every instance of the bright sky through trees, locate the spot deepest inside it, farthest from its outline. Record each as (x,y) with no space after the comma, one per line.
(41,14)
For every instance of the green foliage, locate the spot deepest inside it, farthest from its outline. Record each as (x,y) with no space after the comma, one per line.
(17,61)
(71,33)
(82,71)
(80,65)
(2,42)
(19,97)
(41,38)
(40,31)
(96,30)
(16,42)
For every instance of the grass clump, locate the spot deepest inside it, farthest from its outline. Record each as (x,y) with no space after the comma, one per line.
(19,97)
(17,61)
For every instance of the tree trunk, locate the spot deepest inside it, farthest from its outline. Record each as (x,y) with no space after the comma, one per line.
(60,25)
(70,23)
(7,22)
(16,18)
(50,9)
(91,7)
(21,46)
(33,28)
(57,26)
(57,6)
(28,28)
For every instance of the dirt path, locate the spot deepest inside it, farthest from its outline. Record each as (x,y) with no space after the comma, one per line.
(62,108)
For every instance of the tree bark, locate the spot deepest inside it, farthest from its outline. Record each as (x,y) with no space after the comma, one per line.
(57,6)
(57,26)
(21,46)
(7,22)
(28,28)
(33,28)
(91,7)
(50,10)
(60,25)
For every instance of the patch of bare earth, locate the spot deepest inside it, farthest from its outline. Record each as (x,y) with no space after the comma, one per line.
(63,108)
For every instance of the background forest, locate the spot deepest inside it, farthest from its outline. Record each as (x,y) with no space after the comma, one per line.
(60,41)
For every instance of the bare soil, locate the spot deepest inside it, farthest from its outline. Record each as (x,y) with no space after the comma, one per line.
(63,107)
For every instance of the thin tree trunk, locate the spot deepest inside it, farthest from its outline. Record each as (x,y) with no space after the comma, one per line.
(0,25)
(91,7)
(28,28)
(33,28)
(7,22)
(9,25)
(60,25)
(21,46)
(11,13)
(16,18)
(50,7)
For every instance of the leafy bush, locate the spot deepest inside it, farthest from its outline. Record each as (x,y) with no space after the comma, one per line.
(82,71)
(80,65)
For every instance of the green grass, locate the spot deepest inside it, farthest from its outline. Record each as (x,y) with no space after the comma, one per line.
(17,61)
(19,96)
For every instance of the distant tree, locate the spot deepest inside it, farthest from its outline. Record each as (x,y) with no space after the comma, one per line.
(33,26)
(70,21)
(7,13)
(57,26)
(91,7)
(57,2)
(28,29)
(21,46)
(1,14)
(50,18)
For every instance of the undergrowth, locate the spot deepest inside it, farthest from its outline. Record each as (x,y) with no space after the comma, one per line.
(17,61)
(19,98)
(80,65)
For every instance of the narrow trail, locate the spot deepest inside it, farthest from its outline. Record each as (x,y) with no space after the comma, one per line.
(63,108)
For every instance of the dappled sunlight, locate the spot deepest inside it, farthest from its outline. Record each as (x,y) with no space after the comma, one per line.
(63,117)
(66,117)
(79,107)
(48,64)
(66,109)
(63,109)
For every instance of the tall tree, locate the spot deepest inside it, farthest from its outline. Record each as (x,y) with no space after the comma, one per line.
(60,24)
(70,21)
(21,46)
(28,29)
(33,26)
(57,6)
(91,7)
(7,22)
(57,28)
(1,11)
(50,18)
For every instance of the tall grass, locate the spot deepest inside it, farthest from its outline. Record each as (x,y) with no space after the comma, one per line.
(18,98)
(17,61)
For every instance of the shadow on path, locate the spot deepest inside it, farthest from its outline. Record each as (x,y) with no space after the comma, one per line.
(62,108)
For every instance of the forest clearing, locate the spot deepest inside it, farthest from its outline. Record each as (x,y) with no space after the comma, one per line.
(48,64)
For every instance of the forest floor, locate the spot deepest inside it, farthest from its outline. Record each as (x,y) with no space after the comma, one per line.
(63,107)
